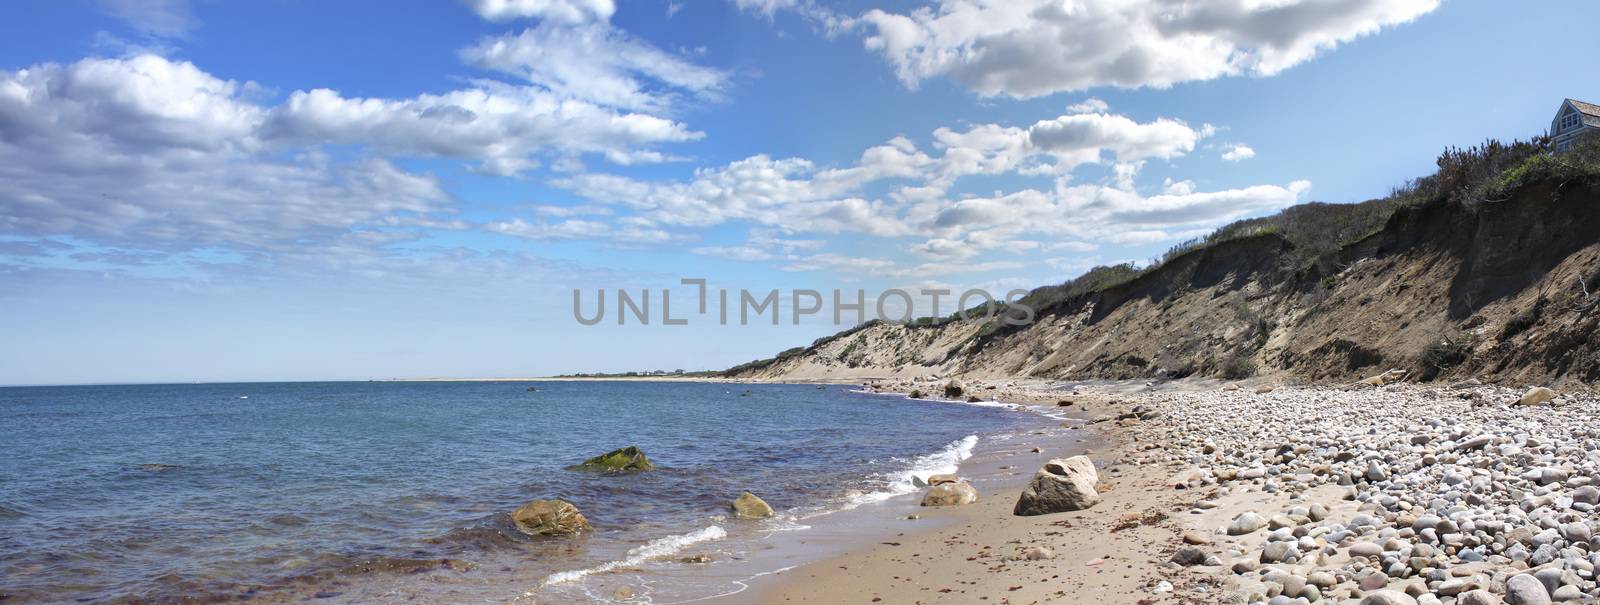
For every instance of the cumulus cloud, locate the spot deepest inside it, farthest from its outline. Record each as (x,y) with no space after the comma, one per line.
(505,127)
(1238,152)
(1089,105)
(595,63)
(795,196)
(563,11)
(1029,48)
(1061,144)
(159,152)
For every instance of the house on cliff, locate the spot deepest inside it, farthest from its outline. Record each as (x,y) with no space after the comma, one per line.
(1574,119)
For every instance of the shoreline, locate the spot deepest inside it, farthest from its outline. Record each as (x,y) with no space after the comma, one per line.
(977,551)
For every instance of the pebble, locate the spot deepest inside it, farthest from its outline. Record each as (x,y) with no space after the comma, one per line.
(1450,494)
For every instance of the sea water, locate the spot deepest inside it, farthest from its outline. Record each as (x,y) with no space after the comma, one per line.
(390,491)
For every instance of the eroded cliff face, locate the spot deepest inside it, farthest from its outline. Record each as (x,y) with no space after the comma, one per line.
(1495,292)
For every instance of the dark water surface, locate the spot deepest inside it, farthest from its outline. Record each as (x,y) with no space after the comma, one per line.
(401,491)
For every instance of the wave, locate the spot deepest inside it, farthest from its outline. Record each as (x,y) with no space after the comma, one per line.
(655,549)
(898,483)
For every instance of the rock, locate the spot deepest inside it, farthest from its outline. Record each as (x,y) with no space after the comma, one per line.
(915,394)
(622,593)
(748,506)
(626,459)
(1246,523)
(1388,597)
(1367,549)
(1189,556)
(1192,537)
(1536,396)
(1524,589)
(1262,390)
(1587,494)
(1373,581)
(1038,553)
(954,389)
(549,518)
(950,494)
(1478,597)
(1566,593)
(701,558)
(1385,378)
(1279,552)
(1062,485)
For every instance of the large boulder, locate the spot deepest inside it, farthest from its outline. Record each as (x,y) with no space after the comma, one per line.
(549,518)
(950,494)
(1525,589)
(748,506)
(626,459)
(1536,396)
(954,389)
(1062,485)
(1385,378)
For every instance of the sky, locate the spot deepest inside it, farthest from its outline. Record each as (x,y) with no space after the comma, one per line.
(298,190)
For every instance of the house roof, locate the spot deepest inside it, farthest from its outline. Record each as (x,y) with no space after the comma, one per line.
(1590,111)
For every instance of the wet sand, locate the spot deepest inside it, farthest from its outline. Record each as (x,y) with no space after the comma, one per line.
(972,553)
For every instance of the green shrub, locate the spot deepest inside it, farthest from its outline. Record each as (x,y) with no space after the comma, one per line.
(1446,353)
(1523,320)
(1237,367)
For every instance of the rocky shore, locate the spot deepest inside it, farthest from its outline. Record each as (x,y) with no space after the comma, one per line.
(1386,495)
(1375,494)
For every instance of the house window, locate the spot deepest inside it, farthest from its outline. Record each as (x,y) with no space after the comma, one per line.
(1569,121)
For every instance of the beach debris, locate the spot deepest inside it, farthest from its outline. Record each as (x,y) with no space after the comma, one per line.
(630,458)
(554,517)
(1063,484)
(749,506)
(950,494)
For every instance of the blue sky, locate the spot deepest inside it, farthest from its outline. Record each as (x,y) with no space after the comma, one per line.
(290,190)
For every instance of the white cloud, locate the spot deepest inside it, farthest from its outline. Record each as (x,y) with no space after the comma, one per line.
(564,11)
(597,64)
(1067,142)
(1238,152)
(145,150)
(1029,48)
(1089,105)
(154,18)
(505,127)
(795,196)
(766,8)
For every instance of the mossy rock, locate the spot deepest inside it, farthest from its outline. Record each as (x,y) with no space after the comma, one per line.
(629,458)
(749,506)
(549,518)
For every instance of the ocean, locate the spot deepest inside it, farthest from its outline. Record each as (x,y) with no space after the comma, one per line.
(401,491)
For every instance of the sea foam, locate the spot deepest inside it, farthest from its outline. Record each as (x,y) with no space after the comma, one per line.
(655,549)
